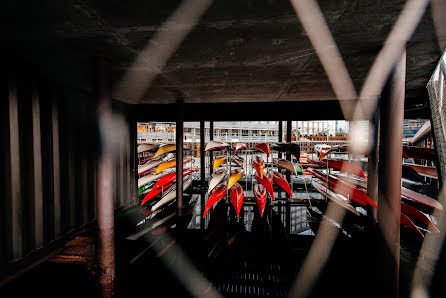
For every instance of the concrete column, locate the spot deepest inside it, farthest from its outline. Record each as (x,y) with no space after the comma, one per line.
(389,179)
(179,162)
(202,145)
(104,183)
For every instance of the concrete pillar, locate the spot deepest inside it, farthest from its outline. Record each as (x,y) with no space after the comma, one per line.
(389,179)
(179,162)
(104,184)
(202,146)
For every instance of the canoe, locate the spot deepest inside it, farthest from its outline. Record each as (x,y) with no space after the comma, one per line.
(218,161)
(217,177)
(236,195)
(259,165)
(285,164)
(323,150)
(171,194)
(172,177)
(147,147)
(165,149)
(414,213)
(239,146)
(345,166)
(426,171)
(235,176)
(264,148)
(346,189)
(334,197)
(238,161)
(267,182)
(218,193)
(154,192)
(405,221)
(280,180)
(260,196)
(214,145)
(171,163)
(149,178)
(418,153)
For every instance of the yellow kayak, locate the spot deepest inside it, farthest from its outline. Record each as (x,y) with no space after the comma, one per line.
(235,176)
(218,161)
(165,149)
(171,163)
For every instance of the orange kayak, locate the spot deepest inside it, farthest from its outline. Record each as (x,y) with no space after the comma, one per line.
(260,195)
(259,165)
(235,176)
(267,182)
(165,149)
(264,148)
(171,163)
(280,180)
(218,161)
(218,193)
(236,195)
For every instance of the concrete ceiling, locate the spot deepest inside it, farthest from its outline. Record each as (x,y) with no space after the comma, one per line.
(241,51)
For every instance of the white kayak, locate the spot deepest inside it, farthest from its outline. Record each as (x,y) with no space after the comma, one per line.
(147,147)
(171,194)
(217,177)
(215,145)
(153,163)
(149,178)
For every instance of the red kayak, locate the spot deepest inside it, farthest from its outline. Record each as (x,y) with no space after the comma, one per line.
(280,180)
(416,214)
(154,192)
(420,198)
(267,182)
(260,195)
(237,196)
(345,166)
(172,177)
(405,221)
(346,189)
(264,148)
(239,146)
(218,193)
(259,165)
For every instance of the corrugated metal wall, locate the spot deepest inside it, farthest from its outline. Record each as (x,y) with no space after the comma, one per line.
(48,152)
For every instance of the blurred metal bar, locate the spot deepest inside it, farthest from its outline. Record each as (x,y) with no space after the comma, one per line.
(372,165)
(56,167)
(289,127)
(37,167)
(280,132)
(202,161)
(211,137)
(390,171)
(179,163)
(105,197)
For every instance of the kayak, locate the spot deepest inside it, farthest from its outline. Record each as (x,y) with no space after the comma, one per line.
(147,168)
(145,188)
(235,176)
(323,150)
(149,178)
(213,145)
(345,166)
(260,196)
(165,149)
(405,221)
(280,180)
(217,177)
(334,197)
(236,195)
(426,171)
(418,153)
(172,177)
(239,146)
(285,164)
(298,169)
(218,161)
(147,147)
(417,215)
(259,165)
(171,163)
(264,148)
(238,161)
(267,182)
(154,192)
(171,194)
(218,193)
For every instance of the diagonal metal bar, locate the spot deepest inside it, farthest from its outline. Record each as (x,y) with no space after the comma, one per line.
(153,58)
(313,21)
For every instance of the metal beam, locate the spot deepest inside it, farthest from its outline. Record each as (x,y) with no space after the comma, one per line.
(179,158)
(390,171)
(105,197)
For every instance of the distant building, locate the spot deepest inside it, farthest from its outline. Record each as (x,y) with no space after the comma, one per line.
(412,126)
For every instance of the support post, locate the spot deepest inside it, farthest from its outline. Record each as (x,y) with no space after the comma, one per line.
(211,137)
(105,217)
(372,165)
(202,160)
(280,132)
(389,178)
(179,162)
(288,139)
